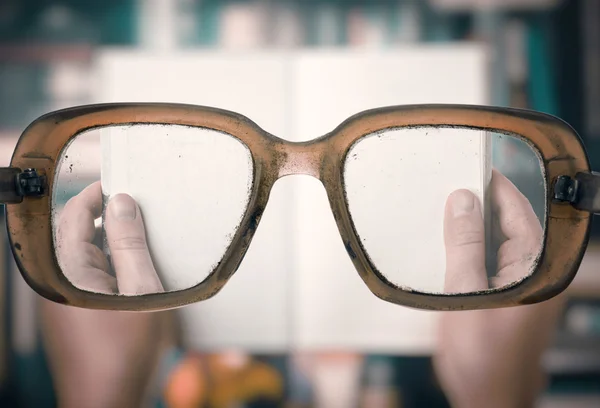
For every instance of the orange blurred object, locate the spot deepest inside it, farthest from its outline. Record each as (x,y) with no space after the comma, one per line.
(221,380)
(186,386)
(238,378)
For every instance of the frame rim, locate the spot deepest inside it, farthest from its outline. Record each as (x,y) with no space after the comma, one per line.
(51,133)
(546,134)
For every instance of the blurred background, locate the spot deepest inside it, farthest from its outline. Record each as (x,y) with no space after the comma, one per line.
(541,54)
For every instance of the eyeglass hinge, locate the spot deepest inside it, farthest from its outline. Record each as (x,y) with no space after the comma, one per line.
(582,191)
(565,190)
(16,184)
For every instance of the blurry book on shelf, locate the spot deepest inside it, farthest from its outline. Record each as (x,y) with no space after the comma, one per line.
(515,41)
(409,22)
(327,24)
(378,388)
(159,24)
(335,379)
(590,16)
(366,25)
(286,28)
(494,5)
(582,317)
(243,24)
(238,24)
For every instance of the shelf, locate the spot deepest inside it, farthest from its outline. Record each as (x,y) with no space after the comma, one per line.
(45,53)
(569,401)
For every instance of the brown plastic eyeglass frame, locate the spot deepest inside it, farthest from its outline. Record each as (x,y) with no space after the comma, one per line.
(564,159)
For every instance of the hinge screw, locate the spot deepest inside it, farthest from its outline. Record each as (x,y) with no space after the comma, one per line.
(565,189)
(31,183)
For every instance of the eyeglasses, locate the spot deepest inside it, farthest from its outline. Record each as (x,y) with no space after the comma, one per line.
(395,178)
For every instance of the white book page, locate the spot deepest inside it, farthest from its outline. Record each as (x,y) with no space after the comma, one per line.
(397,183)
(176,174)
(250,311)
(333,307)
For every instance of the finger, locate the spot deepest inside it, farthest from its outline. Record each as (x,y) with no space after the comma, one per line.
(515,214)
(94,280)
(86,267)
(464,236)
(82,262)
(521,228)
(516,260)
(77,217)
(128,247)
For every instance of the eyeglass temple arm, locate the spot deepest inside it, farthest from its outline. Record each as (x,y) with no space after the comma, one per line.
(16,184)
(582,191)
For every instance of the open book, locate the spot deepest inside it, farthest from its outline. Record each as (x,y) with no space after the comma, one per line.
(296,287)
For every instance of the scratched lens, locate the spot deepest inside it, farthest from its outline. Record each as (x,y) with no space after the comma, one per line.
(446,210)
(191,186)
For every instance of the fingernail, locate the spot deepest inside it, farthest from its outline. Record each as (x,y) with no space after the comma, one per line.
(122,207)
(463,203)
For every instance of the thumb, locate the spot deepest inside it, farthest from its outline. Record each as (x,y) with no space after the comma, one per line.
(464,237)
(129,251)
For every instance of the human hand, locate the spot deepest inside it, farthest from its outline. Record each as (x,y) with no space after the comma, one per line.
(492,357)
(103,358)
(84,263)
